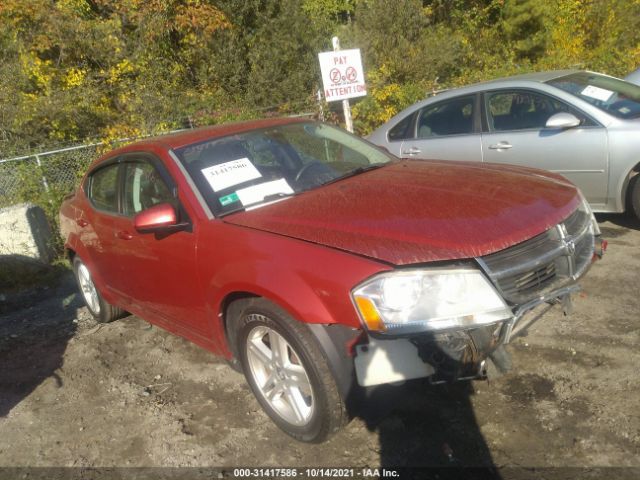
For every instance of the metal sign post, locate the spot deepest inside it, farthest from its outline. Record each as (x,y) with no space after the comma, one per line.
(346,107)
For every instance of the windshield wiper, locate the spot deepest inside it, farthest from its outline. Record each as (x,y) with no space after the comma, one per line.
(354,172)
(274,196)
(266,199)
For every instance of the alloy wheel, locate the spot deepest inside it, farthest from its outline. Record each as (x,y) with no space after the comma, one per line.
(88,289)
(279,374)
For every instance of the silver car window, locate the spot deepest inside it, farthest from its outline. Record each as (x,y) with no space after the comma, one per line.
(616,97)
(522,110)
(403,129)
(452,117)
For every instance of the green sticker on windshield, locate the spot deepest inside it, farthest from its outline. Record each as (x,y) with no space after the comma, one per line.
(227,199)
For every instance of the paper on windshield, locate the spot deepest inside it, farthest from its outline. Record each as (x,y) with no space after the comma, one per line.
(598,93)
(228,174)
(257,193)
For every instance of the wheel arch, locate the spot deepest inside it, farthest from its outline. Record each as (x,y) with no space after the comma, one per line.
(290,291)
(230,307)
(334,340)
(70,254)
(237,297)
(72,251)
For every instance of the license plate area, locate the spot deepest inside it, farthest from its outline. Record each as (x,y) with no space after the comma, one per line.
(388,361)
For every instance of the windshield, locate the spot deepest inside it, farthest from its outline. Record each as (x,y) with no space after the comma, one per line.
(616,97)
(260,166)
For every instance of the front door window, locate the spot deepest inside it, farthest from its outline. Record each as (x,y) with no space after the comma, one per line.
(143,188)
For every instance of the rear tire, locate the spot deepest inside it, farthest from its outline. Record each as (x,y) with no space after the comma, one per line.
(102,311)
(288,372)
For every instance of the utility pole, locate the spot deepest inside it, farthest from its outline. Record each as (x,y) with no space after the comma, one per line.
(345,103)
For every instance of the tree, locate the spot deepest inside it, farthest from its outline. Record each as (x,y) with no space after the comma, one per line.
(99,67)
(524,25)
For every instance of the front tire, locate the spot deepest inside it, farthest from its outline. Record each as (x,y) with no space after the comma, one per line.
(102,311)
(634,196)
(288,373)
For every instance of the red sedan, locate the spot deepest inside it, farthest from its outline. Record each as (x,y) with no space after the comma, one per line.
(320,264)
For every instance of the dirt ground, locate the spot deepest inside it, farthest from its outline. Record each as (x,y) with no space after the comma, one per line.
(74,393)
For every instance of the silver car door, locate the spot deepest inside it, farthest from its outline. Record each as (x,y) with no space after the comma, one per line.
(446,131)
(517,135)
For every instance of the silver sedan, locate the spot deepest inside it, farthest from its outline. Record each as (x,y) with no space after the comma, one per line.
(633,77)
(583,125)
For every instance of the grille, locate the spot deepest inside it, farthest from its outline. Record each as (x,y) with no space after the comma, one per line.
(538,265)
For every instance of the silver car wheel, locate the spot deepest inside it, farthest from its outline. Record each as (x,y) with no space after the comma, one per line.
(279,374)
(88,289)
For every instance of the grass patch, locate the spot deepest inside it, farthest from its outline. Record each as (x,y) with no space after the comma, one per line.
(19,273)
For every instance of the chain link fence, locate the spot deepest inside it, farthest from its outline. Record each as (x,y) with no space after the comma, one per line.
(50,174)
(55,170)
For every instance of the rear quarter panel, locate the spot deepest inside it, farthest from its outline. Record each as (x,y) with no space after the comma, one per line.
(76,237)
(624,156)
(67,218)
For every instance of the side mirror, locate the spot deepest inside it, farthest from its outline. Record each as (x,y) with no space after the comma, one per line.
(157,219)
(562,120)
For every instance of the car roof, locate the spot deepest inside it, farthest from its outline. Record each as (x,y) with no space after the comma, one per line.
(513,80)
(539,77)
(521,80)
(187,137)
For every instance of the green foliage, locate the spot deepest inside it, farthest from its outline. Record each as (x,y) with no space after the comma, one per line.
(74,70)
(332,10)
(16,276)
(282,55)
(524,27)
(401,37)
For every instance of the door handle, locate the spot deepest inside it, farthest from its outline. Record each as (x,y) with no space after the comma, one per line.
(124,235)
(82,222)
(501,146)
(412,151)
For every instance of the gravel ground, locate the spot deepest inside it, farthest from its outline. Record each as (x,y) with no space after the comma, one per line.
(77,394)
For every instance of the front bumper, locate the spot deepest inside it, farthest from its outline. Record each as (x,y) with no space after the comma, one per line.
(449,356)
(461,354)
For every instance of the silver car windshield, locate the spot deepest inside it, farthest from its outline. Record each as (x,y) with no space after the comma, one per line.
(260,166)
(616,97)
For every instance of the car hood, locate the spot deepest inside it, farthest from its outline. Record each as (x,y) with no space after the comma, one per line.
(416,211)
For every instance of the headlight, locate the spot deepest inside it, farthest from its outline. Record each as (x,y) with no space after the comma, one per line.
(428,300)
(585,207)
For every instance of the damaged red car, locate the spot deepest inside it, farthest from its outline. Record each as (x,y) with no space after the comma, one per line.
(319,264)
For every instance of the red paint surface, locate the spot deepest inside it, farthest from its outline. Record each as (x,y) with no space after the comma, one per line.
(299,252)
(419,211)
(156,216)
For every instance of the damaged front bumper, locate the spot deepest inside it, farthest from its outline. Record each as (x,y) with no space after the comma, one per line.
(461,353)
(450,356)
